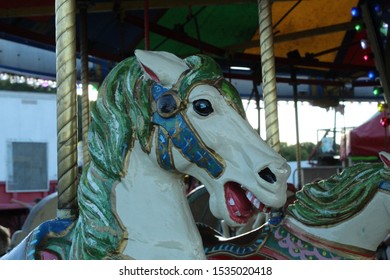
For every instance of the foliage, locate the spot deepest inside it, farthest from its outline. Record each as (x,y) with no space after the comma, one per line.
(289,152)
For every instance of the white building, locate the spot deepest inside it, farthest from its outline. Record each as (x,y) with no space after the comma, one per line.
(28,140)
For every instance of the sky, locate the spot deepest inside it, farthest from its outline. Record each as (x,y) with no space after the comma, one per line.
(312,119)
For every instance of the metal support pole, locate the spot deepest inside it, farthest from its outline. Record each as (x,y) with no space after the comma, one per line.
(257,96)
(85,118)
(66,108)
(268,74)
(298,144)
(382,59)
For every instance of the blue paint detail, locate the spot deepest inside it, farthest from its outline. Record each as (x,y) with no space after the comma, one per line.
(163,148)
(276,218)
(52,226)
(33,242)
(158,90)
(385,186)
(184,139)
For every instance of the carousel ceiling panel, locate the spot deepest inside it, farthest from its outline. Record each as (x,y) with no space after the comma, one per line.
(317,37)
(216,26)
(311,15)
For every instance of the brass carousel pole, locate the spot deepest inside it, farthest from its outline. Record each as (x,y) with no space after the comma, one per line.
(85,118)
(268,74)
(66,108)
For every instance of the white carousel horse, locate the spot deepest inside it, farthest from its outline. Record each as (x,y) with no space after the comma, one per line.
(344,217)
(158,118)
(43,211)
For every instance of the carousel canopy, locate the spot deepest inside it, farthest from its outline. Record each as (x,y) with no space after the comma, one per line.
(320,39)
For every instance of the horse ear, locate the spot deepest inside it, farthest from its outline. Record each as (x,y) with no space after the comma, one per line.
(385,157)
(162,67)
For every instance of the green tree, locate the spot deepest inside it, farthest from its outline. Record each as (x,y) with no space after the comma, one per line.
(289,152)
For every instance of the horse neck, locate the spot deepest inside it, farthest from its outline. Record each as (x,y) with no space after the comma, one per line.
(152,206)
(365,230)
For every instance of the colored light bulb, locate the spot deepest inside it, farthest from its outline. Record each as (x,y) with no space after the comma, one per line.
(364,44)
(355,12)
(377,8)
(382,107)
(384,121)
(377,90)
(372,74)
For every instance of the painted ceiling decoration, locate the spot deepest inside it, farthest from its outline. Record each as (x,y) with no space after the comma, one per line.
(318,38)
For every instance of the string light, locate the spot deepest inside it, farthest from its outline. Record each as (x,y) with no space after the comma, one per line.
(372,74)
(358,27)
(378,9)
(44,83)
(364,44)
(355,12)
(4,76)
(384,121)
(382,107)
(33,82)
(377,91)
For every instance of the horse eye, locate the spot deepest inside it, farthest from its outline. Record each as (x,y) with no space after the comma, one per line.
(203,107)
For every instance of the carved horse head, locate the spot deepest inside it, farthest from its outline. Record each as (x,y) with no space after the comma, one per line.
(202,131)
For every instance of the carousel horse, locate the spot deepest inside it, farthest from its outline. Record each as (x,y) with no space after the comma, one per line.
(344,217)
(158,118)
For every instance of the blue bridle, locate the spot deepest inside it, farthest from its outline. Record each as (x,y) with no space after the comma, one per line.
(174,128)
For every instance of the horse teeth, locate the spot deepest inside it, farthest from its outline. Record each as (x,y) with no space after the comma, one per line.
(256,203)
(249,195)
(231,201)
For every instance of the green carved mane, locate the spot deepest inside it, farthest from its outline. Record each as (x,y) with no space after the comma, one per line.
(340,197)
(120,116)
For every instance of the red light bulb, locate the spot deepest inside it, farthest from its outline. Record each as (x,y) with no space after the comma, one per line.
(385,122)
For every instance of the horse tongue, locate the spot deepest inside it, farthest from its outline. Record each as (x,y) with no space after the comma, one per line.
(236,200)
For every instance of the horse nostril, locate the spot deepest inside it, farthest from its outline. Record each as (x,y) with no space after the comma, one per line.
(267,175)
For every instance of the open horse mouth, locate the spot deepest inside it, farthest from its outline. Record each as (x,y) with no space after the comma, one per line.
(241,203)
